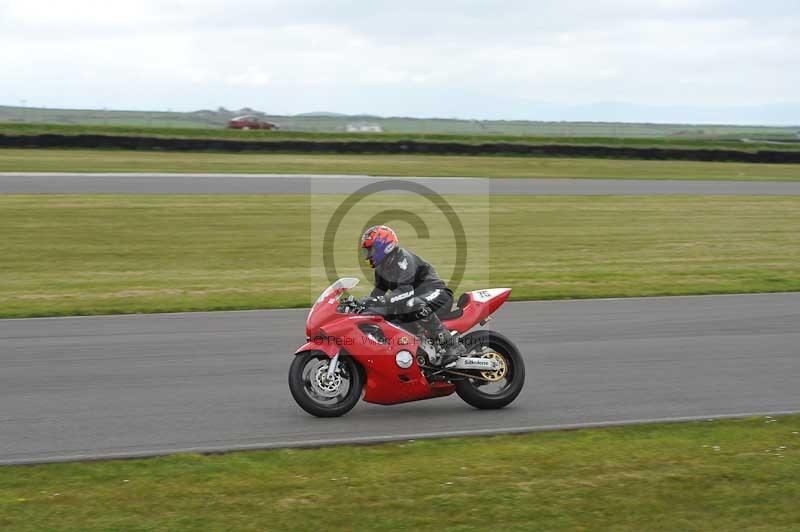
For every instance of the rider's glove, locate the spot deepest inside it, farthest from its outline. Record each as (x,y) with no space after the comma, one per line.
(374,301)
(374,305)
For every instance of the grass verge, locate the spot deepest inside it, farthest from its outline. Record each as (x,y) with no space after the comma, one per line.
(74,254)
(58,160)
(711,475)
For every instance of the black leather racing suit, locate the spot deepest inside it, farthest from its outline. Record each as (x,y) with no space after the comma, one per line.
(417,294)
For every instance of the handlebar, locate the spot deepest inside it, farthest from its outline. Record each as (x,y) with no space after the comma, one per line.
(350,305)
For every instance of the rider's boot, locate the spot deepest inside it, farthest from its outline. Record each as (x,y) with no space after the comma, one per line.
(443,340)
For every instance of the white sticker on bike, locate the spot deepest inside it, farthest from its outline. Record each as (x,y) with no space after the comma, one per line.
(483,296)
(476,363)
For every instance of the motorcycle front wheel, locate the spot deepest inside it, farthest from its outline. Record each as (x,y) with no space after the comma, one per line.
(318,395)
(492,389)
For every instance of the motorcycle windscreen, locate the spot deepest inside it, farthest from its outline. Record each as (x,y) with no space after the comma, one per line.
(325,306)
(345,283)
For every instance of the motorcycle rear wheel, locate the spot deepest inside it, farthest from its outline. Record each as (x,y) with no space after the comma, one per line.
(319,397)
(485,395)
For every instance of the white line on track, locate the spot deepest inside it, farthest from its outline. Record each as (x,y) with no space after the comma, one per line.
(367,440)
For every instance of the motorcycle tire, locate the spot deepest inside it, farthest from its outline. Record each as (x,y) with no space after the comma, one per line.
(312,396)
(470,389)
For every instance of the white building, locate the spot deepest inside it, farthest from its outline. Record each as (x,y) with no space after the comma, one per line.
(364,128)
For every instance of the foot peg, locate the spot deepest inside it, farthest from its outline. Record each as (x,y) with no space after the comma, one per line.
(452,353)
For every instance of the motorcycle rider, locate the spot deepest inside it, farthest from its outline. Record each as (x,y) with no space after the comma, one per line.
(417,292)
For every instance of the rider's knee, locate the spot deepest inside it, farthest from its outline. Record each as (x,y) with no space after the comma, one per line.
(415,308)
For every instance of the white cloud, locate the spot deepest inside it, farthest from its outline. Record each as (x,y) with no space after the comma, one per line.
(252,77)
(406,58)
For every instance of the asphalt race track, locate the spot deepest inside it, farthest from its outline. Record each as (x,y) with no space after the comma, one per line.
(148,183)
(138,385)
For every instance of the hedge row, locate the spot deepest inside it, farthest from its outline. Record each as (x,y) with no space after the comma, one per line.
(392,147)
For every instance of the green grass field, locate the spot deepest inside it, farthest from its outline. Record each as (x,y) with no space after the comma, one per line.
(219,132)
(72,254)
(711,475)
(55,160)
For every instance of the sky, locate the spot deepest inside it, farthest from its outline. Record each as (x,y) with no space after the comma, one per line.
(734,61)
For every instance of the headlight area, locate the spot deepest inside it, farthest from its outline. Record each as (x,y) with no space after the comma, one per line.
(404,359)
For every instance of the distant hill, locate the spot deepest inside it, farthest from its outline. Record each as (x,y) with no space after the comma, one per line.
(323,121)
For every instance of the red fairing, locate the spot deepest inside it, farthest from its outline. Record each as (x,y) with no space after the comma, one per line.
(387,383)
(324,309)
(318,344)
(480,305)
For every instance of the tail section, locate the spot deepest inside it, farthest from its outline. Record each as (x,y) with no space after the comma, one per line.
(479,305)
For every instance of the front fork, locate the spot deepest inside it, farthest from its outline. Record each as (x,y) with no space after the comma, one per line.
(332,367)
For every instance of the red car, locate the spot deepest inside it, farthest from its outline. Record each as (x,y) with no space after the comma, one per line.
(250,122)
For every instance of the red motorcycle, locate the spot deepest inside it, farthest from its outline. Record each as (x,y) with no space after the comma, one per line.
(350,352)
